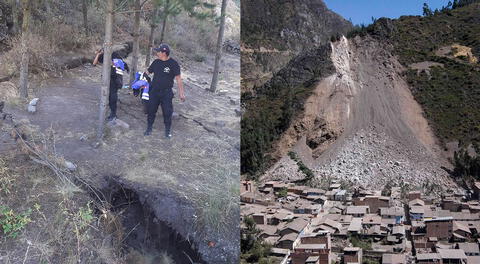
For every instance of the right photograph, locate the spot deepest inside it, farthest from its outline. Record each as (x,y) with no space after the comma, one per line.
(360,132)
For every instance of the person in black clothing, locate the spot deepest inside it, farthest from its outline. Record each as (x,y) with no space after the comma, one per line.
(165,70)
(116,82)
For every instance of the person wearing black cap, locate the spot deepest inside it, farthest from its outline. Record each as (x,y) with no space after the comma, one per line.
(116,80)
(165,70)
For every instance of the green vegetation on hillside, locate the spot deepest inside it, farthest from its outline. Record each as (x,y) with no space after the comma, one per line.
(270,112)
(253,248)
(449,94)
(467,166)
(302,167)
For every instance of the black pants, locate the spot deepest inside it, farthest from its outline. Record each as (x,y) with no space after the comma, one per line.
(165,101)
(115,84)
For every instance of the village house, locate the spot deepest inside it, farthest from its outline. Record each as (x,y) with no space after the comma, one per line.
(297,189)
(334,186)
(352,255)
(452,256)
(355,226)
(267,231)
(246,186)
(280,216)
(357,211)
(313,245)
(394,259)
(297,226)
(370,220)
(288,241)
(396,212)
(325,224)
(461,232)
(428,258)
(441,228)
(414,195)
(373,202)
(259,218)
(470,249)
(305,207)
(453,205)
(341,195)
(282,253)
(416,213)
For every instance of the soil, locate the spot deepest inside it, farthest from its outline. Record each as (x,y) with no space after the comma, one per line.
(189,181)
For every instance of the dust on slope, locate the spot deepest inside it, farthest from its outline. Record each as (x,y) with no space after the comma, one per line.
(368,127)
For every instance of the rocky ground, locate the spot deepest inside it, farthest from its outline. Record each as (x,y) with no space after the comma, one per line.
(190,181)
(373,159)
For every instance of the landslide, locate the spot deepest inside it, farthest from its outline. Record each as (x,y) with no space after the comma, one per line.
(404,91)
(363,125)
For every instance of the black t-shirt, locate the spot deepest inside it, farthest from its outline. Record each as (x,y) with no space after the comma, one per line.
(163,74)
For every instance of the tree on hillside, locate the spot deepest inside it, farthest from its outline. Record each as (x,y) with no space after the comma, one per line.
(85,15)
(24,50)
(106,68)
(153,26)
(170,8)
(194,8)
(136,35)
(426,10)
(213,86)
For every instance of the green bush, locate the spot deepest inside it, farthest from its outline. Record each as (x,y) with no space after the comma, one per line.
(13,223)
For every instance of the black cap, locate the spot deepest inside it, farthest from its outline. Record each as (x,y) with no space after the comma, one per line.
(163,48)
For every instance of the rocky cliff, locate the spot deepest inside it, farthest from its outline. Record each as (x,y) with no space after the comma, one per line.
(273,32)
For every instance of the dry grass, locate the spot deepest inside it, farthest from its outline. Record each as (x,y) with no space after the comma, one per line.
(209,182)
(39,55)
(64,227)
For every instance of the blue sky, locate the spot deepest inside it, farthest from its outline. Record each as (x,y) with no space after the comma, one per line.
(361,11)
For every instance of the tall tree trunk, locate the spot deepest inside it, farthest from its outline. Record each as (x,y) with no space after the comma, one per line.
(107,65)
(136,48)
(213,86)
(15,7)
(153,26)
(85,14)
(24,61)
(164,25)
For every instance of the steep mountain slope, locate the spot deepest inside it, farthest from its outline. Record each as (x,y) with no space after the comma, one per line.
(273,32)
(288,35)
(372,130)
(400,91)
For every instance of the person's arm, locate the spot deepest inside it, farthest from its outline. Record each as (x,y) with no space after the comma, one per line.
(97,57)
(181,92)
(150,70)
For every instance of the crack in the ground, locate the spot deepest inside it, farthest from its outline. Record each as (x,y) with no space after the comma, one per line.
(199,123)
(179,114)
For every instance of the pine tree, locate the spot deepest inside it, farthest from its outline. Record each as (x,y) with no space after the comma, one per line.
(107,58)
(218,55)
(24,61)
(426,10)
(153,26)
(136,36)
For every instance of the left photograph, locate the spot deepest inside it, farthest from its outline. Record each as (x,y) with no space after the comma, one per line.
(120,131)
